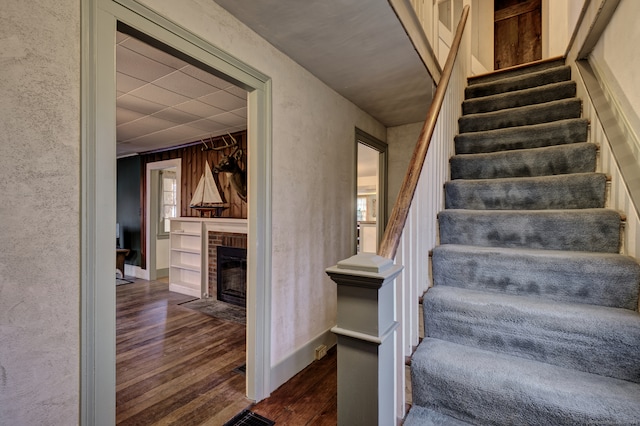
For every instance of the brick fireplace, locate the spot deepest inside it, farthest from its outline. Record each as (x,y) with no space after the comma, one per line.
(215,240)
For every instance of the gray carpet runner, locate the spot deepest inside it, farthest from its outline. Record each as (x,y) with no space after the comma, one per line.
(533,315)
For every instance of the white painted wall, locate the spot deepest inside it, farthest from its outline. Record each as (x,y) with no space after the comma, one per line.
(616,58)
(559,19)
(401,142)
(313,176)
(39,213)
(162,253)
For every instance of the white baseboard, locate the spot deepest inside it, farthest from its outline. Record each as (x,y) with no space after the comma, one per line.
(298,360)
(182,289)
(135,271)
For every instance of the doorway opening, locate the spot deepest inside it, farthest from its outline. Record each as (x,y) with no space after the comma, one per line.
(100,21)
(517,32)
(370,192)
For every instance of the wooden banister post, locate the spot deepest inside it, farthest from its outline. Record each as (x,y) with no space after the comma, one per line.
(366,332)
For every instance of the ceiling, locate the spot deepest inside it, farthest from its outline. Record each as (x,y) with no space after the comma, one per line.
(163,101)
(357,47)
(363,53)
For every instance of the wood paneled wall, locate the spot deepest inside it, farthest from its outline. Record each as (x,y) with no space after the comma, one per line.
(193,163)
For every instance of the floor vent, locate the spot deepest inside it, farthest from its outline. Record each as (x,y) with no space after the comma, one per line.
(241,369)
(248,418)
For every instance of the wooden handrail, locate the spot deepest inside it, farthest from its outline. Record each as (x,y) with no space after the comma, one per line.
(393,232)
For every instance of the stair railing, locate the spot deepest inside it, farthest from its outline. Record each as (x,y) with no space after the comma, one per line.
(377,318)
(393,233)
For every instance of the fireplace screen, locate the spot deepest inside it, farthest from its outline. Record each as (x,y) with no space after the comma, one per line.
(232,275)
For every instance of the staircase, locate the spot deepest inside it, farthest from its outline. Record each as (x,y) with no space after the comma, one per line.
(533,315)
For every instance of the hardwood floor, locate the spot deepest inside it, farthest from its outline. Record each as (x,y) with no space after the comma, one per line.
(174,365)
(309,398)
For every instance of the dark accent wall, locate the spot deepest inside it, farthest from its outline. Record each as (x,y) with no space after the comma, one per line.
(128,206)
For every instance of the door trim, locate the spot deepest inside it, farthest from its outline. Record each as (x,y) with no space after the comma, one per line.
(98,177)
(382,147)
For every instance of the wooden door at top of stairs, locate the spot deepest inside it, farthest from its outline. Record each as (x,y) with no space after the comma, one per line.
(517,32)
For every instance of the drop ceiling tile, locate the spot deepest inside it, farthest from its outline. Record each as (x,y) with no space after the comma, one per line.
(208,126)
(124,115)
(235,90)
(143,126)
(133,64)
(120,37)
(157,94)
(126,83)
(224,100)
(175,136)
(184,84)
(151,52)
(242,112)
(205,76)
(228,119)
(198,108)
(140,105)
(176,116)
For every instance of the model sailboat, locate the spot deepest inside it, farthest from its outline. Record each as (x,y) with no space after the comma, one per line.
(206,197)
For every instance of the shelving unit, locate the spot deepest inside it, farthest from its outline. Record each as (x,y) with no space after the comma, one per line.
(187,262)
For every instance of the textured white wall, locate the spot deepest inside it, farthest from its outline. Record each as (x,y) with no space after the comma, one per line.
(402,141)
(616,57)
(39,212)
(313,174)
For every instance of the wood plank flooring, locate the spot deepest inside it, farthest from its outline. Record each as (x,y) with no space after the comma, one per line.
(174,366)
(309,398)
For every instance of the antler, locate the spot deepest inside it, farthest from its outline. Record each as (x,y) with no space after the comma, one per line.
(220,148)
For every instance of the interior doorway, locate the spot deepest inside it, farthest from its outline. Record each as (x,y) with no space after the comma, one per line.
(517,32)
(370,192)
(100,19)
(163,185)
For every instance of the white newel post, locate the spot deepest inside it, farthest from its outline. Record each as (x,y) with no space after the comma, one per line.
(366,333)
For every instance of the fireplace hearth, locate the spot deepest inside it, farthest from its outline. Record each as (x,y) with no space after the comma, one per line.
(232,275)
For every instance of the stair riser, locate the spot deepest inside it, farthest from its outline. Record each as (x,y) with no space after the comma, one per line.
(482,387)
(552,92)
(536,136)
(579,230)
(576,191)
(523,116)
(573,158)
(579,337)
(606,280)
(527,81)
(503,74)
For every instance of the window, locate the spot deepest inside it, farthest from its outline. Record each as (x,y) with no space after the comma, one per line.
(362,208)
(168,201)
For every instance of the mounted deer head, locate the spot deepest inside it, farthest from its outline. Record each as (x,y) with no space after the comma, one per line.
(230,165)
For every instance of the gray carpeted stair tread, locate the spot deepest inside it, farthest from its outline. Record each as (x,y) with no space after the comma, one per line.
(516,71)
(553,160)
(518,82)
(483,387)
(591,338)
(572,191)
(420,416)
(519,98)
(576,277)
(534,136)
(521,116)
(595,230)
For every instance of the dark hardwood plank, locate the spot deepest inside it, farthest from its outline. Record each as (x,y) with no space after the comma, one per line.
(174,365)
(309,398)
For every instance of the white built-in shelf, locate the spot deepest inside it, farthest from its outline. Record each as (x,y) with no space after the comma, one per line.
(188,242)
(186,250)
(193,268)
